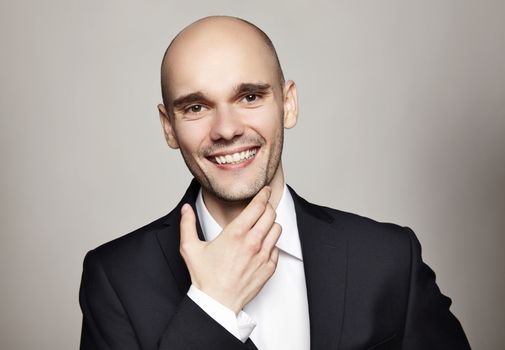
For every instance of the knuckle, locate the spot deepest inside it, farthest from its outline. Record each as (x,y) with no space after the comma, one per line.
(275,230)
(259,209)
(183,249)
(186,248)
(270,211)
(262,200)
(234,230)
(253,245)
(183,246)
(264,195)
(236,233)
(271,266)
(239,221)
(230,231)
(263,256)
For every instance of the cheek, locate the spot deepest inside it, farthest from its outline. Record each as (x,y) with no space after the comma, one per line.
(268,123)
(191,135)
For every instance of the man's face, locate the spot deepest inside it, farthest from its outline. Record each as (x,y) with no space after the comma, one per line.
(227,110)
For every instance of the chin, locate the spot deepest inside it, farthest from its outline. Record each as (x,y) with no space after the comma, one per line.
(237,192)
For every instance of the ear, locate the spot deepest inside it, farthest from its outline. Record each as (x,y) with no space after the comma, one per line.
(166,123)
(290,104)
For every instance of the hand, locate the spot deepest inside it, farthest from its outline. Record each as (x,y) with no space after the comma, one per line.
(234,267)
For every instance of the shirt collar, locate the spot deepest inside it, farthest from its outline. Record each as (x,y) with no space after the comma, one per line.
(289,241)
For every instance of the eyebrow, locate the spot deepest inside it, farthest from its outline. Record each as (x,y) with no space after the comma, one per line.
(187,99)
(245,88)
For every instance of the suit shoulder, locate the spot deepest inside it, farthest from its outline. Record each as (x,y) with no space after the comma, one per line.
(383,243)
(358,227)
(358,219)
(134,243)
(353,225)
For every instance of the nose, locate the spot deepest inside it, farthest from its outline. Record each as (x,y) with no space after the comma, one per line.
(226,125)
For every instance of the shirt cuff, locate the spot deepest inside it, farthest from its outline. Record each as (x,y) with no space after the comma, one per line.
(241,325)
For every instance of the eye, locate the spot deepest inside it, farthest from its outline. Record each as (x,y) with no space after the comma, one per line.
(251,97)
(194,109)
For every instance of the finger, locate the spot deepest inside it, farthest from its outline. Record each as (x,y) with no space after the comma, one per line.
(271,265)
(271,239)
(274,257)
(264,223)
(248,217)
(188,225)
(266,268)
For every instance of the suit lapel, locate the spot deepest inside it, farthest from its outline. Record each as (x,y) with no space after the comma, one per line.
(169,238)
(324,251)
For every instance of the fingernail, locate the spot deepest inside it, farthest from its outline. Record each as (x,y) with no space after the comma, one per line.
(184,208)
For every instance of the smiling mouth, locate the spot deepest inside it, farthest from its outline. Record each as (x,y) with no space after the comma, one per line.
(234,158)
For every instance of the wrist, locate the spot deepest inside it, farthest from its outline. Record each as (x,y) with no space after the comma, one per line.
(229,302)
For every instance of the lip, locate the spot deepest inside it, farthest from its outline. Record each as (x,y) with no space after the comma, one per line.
(240,165)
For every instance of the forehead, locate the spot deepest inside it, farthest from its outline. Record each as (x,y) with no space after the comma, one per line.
(214,57)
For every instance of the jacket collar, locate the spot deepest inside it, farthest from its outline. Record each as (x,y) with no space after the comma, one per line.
(324,250)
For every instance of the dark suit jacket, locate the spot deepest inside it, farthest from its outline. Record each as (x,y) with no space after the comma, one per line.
(367,288)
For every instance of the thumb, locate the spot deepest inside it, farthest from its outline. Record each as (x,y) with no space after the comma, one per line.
(188,225)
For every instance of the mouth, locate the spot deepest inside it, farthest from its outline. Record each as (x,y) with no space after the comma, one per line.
(242,156)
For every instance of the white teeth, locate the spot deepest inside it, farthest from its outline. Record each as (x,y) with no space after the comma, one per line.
(235,157)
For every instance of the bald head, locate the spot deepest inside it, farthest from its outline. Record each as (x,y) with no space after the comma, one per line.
(215,36)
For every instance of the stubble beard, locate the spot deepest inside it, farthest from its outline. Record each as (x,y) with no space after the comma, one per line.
(265,174)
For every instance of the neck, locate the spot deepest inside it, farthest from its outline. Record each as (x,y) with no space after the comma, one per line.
(225,211)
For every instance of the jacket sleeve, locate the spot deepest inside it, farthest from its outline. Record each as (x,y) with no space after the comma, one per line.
(106,324)
(429,323)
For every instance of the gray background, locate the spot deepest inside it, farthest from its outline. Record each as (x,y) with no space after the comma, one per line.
(402,119)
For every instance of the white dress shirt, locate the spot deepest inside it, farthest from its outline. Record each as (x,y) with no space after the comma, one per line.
(278,317)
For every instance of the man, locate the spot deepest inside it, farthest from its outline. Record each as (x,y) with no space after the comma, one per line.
(243,262)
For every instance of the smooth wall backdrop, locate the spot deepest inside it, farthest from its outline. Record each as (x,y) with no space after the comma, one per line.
(402,119)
